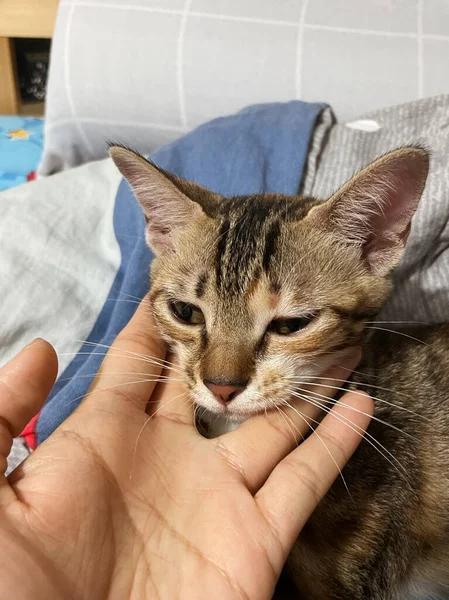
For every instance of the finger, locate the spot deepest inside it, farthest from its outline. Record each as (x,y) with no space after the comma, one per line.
(261,442)
(299,482)
(25,382)
(172,400)
(134,363)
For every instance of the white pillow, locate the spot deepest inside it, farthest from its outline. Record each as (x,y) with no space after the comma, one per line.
(144,72)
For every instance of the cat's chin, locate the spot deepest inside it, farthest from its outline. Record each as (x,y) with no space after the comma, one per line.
(212,424)
(224,415)
(220,426)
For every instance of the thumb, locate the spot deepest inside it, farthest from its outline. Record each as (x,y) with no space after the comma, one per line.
(25,382)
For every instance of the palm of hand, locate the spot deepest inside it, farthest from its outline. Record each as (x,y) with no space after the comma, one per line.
(114,537)
(117,504)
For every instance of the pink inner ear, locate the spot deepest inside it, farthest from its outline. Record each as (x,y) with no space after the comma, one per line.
(398,205)
(382,252)
(389,225)
(159,236)
(374,210)
(167,210)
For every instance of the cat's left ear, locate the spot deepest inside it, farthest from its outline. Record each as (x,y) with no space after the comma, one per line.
(373,210)
(166,208)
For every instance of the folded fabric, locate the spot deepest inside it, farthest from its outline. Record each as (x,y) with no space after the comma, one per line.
(21,145)
(263,148)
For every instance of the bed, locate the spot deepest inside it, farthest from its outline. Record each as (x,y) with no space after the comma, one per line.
(149,73)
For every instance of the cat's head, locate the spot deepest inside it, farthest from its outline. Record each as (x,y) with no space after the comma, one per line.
(255,292)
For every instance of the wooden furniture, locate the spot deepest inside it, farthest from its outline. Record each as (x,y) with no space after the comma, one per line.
(21,19)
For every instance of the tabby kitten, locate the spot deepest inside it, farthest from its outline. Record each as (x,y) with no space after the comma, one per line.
(252,292)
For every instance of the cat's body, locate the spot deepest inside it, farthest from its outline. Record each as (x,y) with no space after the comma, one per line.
(389,539)
(259,295)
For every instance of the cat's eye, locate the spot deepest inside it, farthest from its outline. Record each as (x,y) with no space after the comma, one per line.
(288,326)
(188,313)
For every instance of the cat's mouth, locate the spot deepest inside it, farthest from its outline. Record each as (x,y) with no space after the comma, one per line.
(230,414)
(235,405)
(270,388)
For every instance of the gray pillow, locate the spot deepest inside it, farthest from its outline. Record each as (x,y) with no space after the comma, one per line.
(145,72)
(421,280)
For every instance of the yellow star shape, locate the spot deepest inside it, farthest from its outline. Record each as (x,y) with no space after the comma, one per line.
(18,134)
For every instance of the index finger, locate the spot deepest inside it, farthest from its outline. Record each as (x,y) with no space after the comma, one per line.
(295,487)
(263,441)
(134,363)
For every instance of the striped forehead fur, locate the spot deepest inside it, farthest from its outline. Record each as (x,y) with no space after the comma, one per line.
(249,232)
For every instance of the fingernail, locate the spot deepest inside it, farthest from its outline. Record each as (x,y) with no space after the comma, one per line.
(35,341)
(353,353)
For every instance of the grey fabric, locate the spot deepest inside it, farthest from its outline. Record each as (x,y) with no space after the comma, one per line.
(422,278)
(323,126)
(19,452)
(145,72)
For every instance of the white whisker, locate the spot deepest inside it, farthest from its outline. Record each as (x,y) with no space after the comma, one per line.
(373,417)
(315,432)
(401,322)
(111,387)
(117,355)
(128,295)
(146,357)
(410,337)
(284,416)
(365,435)
(95,375)
(398,406)
(145,424)
(122,300)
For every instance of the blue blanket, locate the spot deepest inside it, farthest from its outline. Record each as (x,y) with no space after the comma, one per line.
(260,149)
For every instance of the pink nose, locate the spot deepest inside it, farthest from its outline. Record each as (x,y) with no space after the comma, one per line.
(224,393)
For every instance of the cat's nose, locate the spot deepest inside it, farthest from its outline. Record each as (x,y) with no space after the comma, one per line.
(225,391)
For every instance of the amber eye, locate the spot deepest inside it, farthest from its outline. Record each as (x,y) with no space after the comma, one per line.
(187,313)
(288,326)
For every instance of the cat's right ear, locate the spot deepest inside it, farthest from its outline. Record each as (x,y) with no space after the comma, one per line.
(374,209)
(166,208)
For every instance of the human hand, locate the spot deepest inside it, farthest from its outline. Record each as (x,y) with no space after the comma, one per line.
(119,503)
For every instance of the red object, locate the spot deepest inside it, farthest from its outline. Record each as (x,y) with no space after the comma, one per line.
(29,433)
(31,176)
